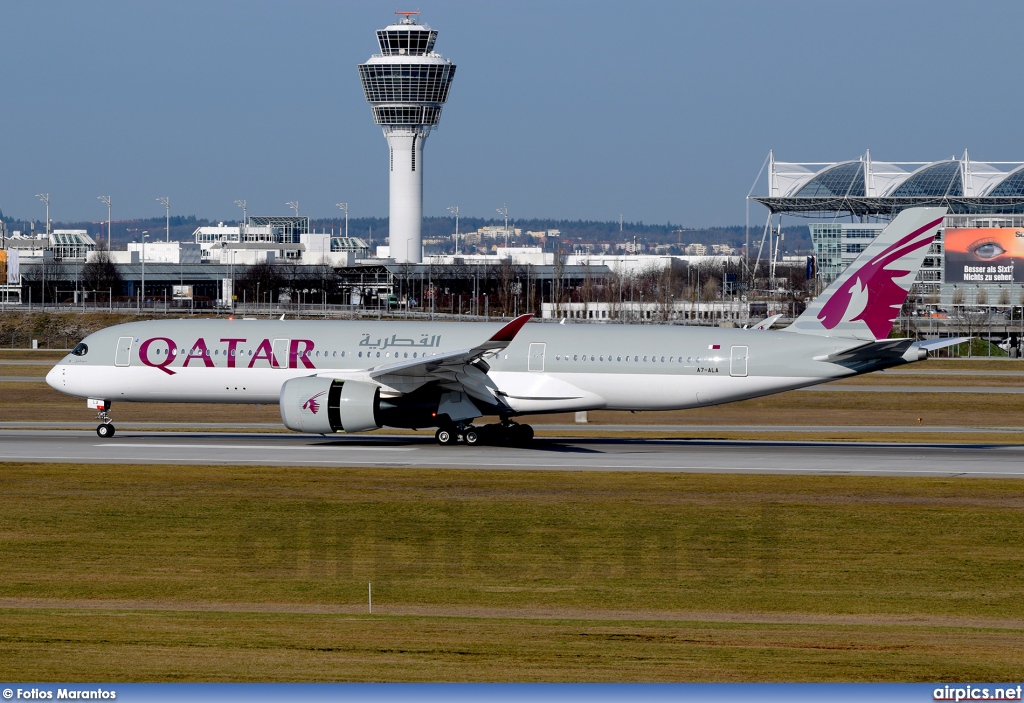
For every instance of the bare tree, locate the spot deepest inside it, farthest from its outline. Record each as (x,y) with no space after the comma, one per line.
(102,275)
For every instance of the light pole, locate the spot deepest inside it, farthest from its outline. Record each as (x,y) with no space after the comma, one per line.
(241,230)
(294,205)
(503,210)
(142,259)
(45,197)
(167,204)
(344,206)
(454,209)
(106,200)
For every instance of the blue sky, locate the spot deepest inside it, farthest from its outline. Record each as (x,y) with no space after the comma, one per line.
(660,111)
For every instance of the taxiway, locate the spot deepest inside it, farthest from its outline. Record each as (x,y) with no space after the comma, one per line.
(547,454)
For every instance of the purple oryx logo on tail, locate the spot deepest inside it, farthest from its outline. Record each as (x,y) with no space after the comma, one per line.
(878,295)
(312,405)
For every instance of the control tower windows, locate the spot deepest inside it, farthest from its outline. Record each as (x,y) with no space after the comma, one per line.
(403,42)
(383,83)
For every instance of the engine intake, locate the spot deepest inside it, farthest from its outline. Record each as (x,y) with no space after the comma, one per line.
(327,405)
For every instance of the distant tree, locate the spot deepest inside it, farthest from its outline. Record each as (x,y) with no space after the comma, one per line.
(261,278)
(101,274)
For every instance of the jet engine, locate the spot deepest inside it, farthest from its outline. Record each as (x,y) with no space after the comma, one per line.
(327,405)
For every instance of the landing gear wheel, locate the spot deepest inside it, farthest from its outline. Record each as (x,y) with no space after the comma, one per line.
(444,437)
(471,437)
(105,430)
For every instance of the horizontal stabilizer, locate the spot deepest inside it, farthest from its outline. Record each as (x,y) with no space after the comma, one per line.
(941,343)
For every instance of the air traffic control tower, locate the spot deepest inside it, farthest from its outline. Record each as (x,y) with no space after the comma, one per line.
(407,84)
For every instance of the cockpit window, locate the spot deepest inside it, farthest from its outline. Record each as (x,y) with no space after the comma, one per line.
(81,350)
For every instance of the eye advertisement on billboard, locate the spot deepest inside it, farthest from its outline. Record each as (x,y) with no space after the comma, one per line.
(985,255)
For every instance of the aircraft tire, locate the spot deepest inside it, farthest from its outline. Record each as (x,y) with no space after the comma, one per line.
(105,431)
(444,437)
(471,437)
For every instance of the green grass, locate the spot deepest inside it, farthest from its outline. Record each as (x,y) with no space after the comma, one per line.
(260,573)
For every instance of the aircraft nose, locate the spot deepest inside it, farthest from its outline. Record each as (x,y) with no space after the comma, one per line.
(55,378)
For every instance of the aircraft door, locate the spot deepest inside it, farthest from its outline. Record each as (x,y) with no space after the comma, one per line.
(280,358)
(123,354)
(536,362)
(738,361)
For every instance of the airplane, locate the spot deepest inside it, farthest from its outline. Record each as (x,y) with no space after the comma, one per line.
(354,376)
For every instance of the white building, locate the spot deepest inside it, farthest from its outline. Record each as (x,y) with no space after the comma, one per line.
(61,244)
(164,252)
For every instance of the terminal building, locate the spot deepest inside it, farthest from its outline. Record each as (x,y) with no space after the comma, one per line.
(978,256)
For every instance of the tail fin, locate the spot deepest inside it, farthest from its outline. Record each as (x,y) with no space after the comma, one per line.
(866,298)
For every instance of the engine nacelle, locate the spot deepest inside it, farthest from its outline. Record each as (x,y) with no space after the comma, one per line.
(326,405)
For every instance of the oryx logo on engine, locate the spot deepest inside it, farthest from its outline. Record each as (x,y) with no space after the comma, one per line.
(312,405)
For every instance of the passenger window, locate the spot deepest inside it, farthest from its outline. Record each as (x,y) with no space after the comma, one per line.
(645,358)
(360,355)
(574,357)
(663,360)
(618,358)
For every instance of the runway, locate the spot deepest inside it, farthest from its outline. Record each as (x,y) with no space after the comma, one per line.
(588,454)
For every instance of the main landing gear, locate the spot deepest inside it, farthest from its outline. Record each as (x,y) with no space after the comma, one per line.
(506,433)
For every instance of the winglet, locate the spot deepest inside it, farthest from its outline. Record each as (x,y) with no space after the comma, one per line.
(509,331)
(503,337)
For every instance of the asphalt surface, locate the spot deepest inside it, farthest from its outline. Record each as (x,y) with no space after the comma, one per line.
(590,454)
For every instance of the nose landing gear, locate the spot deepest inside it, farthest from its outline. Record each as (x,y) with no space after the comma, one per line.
(106,427)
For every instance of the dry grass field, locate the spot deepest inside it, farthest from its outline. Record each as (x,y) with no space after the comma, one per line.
(257,573)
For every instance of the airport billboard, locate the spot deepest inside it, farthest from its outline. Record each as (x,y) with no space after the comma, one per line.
(985,255)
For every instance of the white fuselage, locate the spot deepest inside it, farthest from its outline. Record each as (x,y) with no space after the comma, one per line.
(546,368)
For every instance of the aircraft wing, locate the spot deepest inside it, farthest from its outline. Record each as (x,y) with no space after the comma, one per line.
(465,368)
